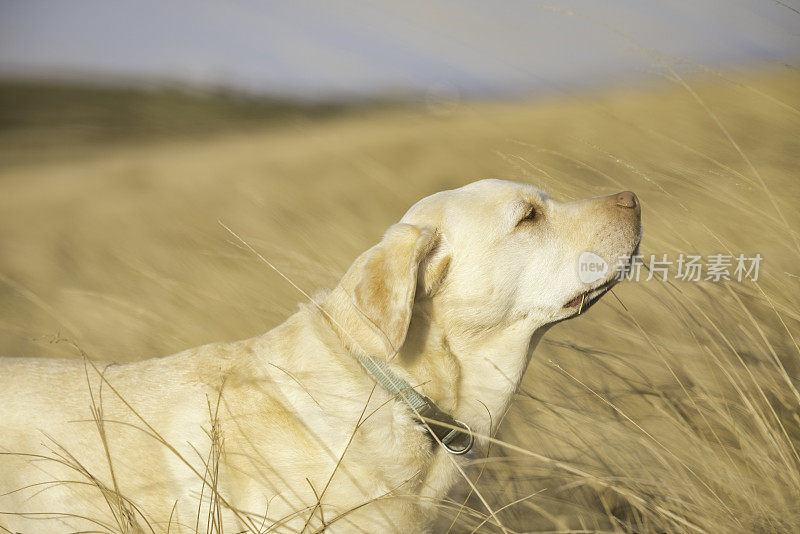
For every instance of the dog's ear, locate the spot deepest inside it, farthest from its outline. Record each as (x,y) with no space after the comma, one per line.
(433,268)
(372,305)
(389,279)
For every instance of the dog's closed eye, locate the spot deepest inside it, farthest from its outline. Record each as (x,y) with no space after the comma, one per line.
(531,214)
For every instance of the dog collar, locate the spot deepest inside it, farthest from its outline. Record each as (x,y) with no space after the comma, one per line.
(438,423)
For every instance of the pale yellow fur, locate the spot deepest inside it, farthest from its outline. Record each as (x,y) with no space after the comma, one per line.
(455,298)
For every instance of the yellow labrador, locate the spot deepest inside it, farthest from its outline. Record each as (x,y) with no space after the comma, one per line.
(350,416)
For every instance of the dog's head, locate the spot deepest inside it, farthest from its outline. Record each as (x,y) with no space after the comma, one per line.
(488,255)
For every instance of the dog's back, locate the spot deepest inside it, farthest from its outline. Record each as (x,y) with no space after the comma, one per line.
(73,445)
(259,420)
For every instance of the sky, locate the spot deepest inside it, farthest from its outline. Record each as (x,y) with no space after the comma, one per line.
(325,48)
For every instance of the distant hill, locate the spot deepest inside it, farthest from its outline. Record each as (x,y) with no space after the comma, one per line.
(37,113)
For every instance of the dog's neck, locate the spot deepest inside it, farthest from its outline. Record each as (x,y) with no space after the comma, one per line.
(473,376)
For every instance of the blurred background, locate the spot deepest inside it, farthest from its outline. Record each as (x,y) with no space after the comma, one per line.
(129,130)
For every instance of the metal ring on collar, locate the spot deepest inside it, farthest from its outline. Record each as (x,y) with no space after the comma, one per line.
(469,444)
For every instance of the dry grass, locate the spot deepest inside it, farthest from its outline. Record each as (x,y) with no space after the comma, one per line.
(670,407)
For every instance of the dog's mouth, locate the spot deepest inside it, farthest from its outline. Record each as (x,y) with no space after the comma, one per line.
(582,301)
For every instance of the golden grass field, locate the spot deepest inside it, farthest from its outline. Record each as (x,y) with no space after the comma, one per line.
(669,407)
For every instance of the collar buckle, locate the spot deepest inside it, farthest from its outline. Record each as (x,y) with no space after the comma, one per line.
(470,439)
(424,407)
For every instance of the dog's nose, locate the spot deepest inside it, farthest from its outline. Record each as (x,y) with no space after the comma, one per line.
(627,199)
